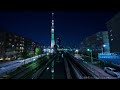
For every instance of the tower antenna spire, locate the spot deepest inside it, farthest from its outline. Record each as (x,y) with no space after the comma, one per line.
(52,32)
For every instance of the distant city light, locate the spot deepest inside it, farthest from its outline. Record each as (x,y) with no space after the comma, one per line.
(44,50)
(52,50)
(34,59)
(47,68)
(47,53)
(12,45)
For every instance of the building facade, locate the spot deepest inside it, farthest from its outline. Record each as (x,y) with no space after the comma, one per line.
(13,45)
(98,43)
(113,26)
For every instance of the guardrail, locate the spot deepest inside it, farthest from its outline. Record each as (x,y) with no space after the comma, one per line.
(7,68)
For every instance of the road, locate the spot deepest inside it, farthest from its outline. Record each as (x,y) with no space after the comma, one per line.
(13,65)
(24,69)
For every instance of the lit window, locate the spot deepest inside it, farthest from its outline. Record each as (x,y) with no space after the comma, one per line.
(12,45)
(22,48)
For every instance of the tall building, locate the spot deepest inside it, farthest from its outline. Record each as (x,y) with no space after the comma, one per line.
(98,43)
(13,45)
(58,42)
(113,26)
(52,32)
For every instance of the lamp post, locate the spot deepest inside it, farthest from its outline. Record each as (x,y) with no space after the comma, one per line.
(76,51)
(103,46)
(90,54)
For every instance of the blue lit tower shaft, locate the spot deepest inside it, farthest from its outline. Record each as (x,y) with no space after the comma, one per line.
(52,32)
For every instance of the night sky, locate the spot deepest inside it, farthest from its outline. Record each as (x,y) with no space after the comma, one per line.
(71,27)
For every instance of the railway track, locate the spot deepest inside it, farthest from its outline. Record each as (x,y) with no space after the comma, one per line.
(78,71)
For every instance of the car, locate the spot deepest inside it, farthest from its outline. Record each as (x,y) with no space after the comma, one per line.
(112,71)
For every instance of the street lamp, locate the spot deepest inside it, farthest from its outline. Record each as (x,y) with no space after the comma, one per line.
(77,51)
(103,46)
(89,50)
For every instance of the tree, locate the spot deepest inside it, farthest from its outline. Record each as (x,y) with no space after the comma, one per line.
(38,51)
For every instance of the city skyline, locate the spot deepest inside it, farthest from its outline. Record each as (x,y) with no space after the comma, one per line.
(71,27)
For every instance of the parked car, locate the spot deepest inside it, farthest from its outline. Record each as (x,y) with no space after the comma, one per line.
(112,71)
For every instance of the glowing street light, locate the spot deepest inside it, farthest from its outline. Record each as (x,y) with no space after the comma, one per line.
(103,46)
(76,51)
(89,50)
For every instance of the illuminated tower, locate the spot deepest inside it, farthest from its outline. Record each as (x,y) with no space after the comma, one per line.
(52,32)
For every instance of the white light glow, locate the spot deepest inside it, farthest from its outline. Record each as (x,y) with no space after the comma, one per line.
(76,50)
(34,59)
(47,68)
(1,58)
(52,71)
(52,30)
(104,45)
(44,50)
(52,50)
